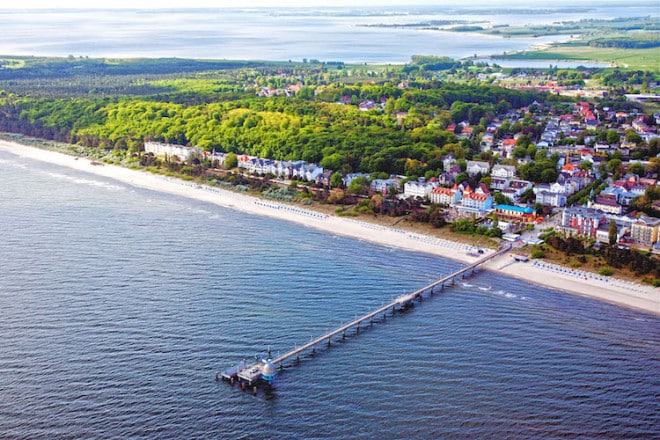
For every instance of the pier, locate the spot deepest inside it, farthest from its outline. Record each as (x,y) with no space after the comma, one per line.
(265,368)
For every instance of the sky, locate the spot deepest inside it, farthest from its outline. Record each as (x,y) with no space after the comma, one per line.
(148,4)
(199,3)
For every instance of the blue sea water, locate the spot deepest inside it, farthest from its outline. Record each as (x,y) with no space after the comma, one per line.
(118,305)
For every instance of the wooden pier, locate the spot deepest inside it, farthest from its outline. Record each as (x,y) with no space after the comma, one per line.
(238,373)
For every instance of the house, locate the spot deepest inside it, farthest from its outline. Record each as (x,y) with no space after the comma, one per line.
(446,196)
(511,212)
(216,156)
(503,171)
(448,162)
(383,185)
(606,203)
(419,188)
(170,150)
(446,179)
(349,177)
(517,188)
(499,183)
(479,200)
(645,230)
(476,167)
(547,198)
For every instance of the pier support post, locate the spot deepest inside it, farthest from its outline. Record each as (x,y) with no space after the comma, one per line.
(254,390)
(343,335)
(329,341)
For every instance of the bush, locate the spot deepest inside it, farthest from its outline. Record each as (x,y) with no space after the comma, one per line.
(606,271)
(538,253)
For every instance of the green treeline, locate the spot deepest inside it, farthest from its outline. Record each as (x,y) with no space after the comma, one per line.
(407,135)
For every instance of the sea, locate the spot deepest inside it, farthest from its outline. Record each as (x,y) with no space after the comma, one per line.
(118,306)
(349,34)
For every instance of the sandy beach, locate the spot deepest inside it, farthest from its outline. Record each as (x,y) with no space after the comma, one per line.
(619,292)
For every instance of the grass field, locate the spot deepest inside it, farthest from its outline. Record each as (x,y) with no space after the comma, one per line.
(637,59)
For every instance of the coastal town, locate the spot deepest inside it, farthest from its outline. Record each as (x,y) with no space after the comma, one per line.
(592,184)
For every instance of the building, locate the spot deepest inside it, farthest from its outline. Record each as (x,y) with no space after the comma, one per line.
(606,203)
(181,152)
(511,212)
(383,185)
(645,230)
(419,188)
(548,198)
(503,171)
(480,200)
(446,196)
(476,167)
(582,221)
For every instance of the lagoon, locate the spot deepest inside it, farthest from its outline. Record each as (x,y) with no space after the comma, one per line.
(279,34)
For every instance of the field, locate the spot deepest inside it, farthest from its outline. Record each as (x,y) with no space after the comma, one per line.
(637,59)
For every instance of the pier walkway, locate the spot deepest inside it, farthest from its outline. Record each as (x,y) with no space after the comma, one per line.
(237,373)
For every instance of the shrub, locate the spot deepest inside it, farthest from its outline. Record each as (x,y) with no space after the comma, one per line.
(538,253)
(606,271)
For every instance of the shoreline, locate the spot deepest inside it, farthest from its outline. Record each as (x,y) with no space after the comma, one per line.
(623,293)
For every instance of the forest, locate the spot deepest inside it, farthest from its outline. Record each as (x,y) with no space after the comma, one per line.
(405,133)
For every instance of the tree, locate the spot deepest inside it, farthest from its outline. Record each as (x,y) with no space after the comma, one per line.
(636,168)
(585,166)
(336,180)
(231,161)
(613,165)
(358,185)
(376,203)
(523,141)
(613,137)
(612,232)
(501,199)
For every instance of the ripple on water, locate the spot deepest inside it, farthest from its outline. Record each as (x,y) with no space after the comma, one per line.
(116,314)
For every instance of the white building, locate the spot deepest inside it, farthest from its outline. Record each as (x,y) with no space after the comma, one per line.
(503,171)
(475,167)
(548,198)
(419,188)
(170,150)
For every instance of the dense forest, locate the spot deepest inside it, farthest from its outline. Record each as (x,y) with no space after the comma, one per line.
(321,122)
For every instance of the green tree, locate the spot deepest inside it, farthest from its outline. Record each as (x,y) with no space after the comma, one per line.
(231,161)
(358,185)
(612,232)
(336,180)
(636,168)
(613,165)
(613,137)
